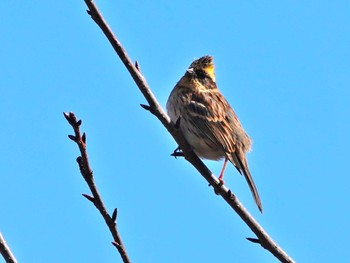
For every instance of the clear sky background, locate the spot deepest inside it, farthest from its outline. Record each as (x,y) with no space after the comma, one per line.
(283,66)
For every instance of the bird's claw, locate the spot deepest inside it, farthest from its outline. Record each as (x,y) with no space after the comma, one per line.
(221,181)
(177,153)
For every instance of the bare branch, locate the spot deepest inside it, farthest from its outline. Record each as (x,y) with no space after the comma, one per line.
(155,108)
(6,252)
(86,172)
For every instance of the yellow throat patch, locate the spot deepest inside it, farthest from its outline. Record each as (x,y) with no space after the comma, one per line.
(210,70)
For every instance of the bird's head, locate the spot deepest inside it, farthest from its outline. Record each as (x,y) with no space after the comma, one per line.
(202,68)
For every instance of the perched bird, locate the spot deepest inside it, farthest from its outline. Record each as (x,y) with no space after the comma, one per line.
(208,122)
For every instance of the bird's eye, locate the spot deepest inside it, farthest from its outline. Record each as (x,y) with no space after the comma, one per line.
(201,74)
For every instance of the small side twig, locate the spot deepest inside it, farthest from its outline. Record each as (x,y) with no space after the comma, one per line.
(6,252)
(86,172)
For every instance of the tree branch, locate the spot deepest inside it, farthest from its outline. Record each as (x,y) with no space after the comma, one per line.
(86,172)
(154,107)
(6,252)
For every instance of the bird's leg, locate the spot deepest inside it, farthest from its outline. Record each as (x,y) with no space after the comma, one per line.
(177,152)
(221,177)
(177,123)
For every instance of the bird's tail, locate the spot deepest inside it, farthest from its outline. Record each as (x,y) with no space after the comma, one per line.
(240,162)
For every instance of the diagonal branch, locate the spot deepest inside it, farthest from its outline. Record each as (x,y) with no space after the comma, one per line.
(86,172)
(154,107)
(6,252)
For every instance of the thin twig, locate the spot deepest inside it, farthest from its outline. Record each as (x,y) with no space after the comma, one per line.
(155,108)
(6,252)
(86,172)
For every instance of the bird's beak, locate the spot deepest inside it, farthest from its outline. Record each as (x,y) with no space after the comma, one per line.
(190,71)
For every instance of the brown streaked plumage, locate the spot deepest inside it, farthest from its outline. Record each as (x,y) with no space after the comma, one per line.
(208,122)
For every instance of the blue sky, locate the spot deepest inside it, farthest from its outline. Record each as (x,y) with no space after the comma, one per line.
(283,66)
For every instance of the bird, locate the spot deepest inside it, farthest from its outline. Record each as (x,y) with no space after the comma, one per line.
(208,122)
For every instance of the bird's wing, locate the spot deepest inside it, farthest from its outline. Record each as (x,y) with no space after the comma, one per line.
(213,117)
